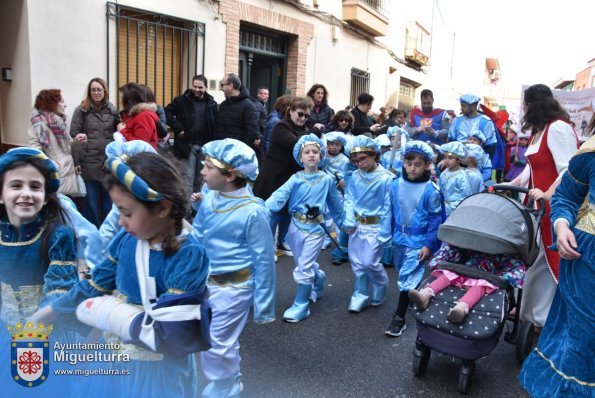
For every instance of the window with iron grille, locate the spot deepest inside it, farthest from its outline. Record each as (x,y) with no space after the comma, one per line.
(360,83)
(155,50)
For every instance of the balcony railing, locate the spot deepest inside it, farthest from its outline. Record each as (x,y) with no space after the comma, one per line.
(371,16)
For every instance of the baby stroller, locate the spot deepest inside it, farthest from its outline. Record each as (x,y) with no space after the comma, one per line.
(493,224)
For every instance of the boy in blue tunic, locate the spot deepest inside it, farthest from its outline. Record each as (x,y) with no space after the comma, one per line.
(368,222)
(453,181)
(233,225)
(417,213)
(393,159)
(308,191)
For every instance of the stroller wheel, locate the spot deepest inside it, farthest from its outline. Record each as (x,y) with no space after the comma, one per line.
(525,342)
(421,357)
(467,368)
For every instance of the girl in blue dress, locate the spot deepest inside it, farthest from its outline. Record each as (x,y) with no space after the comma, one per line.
(453,181)
(38,257)
(147,296)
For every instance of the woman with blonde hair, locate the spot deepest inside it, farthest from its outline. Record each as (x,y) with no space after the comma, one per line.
(93,124)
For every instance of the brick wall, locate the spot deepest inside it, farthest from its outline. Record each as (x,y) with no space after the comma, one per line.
(300,32)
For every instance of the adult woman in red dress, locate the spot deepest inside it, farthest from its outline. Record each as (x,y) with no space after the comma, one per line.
(553,142)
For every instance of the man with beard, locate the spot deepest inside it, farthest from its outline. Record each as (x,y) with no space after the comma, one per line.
(471,120)
(238,116)
(192,118)
(428,123)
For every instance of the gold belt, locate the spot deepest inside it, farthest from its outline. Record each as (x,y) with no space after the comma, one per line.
(367,220)
(229,278)
(586,219)
(305,220)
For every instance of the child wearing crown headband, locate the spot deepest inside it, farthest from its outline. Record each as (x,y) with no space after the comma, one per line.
(453,181)
(368,222)
(38,253)
(417,213)
(148,296)
(234,227)
(308,192)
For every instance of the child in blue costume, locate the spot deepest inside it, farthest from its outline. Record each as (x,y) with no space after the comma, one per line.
(307,191)
(368,222)
(234,227)
(158,317)
(453,181)
(563,363)
(336,166)
(38,263)
(417,213)
(484,164)
(475,156)
(393,159)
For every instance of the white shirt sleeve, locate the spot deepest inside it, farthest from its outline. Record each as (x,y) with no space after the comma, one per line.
(562,142)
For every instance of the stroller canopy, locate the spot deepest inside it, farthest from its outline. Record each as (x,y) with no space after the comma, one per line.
(492,224)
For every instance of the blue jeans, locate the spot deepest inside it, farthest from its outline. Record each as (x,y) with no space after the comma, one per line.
(97,204)
(282,221)
(190,171)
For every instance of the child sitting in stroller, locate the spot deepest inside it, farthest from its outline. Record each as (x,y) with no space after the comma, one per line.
(509,267)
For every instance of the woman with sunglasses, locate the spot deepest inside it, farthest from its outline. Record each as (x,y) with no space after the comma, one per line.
(279,163)
(342,121)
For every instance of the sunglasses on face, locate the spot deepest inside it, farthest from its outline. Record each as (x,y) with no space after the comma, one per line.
(303,114)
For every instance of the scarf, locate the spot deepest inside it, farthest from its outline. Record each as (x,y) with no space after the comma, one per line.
(45,122)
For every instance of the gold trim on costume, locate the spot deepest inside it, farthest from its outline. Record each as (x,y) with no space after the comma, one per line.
(110,258)
(232,208)
(562,374)
(588,146)
(97,287)
(175,291)
(235,197)
(311,183)
(576,179)
(585,220)
(28,242)
(223,166)
(358,149)
(63,263)
(230,278)
(305,220)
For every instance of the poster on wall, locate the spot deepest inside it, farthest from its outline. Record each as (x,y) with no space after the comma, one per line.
(580,106)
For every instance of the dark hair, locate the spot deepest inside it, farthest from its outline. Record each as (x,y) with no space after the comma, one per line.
(88,100)
(132,94)
(200,78)
(342,114)
(261,88)
(234,80)
(161,175)
(282,104)
(238,182)
(425,93)
(300,103)
(313,89)
(365,99)
(52,212)
(414,155)
(542,109)
(48,100)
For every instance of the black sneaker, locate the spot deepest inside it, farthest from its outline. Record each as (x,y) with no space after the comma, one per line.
(396,327)
(284,248)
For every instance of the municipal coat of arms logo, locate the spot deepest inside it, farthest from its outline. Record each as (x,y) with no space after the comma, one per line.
(30,353)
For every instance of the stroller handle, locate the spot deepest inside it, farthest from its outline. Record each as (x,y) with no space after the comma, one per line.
(539,212)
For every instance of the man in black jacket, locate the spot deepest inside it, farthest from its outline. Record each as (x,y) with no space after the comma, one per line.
(192,118)
(237,117)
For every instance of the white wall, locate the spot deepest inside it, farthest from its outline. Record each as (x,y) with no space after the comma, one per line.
(15,101)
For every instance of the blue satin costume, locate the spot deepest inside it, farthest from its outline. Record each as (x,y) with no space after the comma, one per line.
(28,283)
(234,228)
(563,363)
(184,273)
(455,187)
(417,214)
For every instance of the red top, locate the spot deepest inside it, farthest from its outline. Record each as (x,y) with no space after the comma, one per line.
(543,174)
(141,126)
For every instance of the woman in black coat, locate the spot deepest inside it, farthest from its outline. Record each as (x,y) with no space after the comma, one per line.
(279,164)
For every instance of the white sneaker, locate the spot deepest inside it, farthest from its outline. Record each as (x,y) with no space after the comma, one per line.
(284,248)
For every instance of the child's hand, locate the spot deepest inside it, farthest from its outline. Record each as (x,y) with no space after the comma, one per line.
(196,196)
(424,253)
(121,126)
(341,184)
